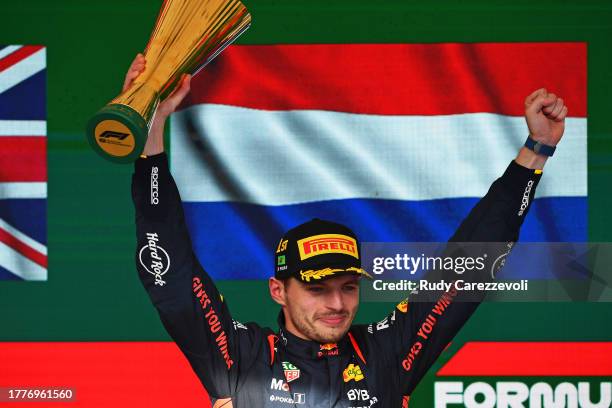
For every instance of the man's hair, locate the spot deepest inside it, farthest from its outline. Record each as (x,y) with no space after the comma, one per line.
(286,280)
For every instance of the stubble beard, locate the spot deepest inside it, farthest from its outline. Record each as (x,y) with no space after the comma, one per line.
(318,334)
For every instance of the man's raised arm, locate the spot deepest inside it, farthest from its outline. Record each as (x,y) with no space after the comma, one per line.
(189,305)
(417,332)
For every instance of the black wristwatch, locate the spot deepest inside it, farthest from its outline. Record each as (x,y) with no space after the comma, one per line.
(539,148)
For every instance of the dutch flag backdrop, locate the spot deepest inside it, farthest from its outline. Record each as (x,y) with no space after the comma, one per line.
(23,163)
(397,141)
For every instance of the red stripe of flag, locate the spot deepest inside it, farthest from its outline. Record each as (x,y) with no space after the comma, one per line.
(23,248)
(105,374)
(18,55)
(531,359)
(395,79)
(23,158)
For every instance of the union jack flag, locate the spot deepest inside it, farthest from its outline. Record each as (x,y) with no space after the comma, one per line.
(23,163)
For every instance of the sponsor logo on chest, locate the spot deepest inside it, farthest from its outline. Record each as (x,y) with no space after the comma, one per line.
(352,372)
(298,398)
(291,371)
(362,397)
(280,385)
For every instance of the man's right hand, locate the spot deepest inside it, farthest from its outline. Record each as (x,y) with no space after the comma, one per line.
(155,141)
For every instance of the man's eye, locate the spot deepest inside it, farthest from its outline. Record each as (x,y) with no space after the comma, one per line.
(315,289)
(350,288)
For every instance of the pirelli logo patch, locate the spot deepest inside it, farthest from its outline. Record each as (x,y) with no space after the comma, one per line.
(327,244)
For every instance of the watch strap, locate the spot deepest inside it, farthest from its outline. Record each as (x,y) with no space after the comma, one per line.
(539,148)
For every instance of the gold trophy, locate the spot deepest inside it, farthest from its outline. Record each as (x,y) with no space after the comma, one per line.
(188,34)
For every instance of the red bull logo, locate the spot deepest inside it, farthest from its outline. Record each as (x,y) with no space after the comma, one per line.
(328,349)
(327,244)
(328,346)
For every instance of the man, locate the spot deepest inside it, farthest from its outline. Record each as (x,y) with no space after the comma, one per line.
(317,358)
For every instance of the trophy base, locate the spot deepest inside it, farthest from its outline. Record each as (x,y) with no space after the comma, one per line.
(118,133)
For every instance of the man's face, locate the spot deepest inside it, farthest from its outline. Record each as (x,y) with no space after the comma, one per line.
(321,311)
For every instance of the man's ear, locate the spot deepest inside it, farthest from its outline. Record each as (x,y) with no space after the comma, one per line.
(277,291)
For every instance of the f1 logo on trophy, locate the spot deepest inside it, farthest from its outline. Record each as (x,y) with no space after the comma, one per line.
(188,34)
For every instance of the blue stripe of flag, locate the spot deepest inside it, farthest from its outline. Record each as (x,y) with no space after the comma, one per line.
(236,241)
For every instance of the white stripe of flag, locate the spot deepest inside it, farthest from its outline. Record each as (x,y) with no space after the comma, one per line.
(23,190)
(23,128)
(291,157)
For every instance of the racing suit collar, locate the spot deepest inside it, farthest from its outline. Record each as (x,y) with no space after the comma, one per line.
(308,348)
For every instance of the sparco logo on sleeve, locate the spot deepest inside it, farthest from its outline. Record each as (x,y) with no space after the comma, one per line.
(525,201)
(154,186)
(154,258)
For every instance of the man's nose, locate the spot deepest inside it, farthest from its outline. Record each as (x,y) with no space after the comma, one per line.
(335,301)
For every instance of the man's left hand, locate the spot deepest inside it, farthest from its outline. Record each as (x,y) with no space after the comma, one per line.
(545,114)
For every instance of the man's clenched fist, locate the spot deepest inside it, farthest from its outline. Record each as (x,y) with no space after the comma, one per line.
(545,114)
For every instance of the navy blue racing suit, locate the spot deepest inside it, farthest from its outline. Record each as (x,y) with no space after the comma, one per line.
(376,365)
